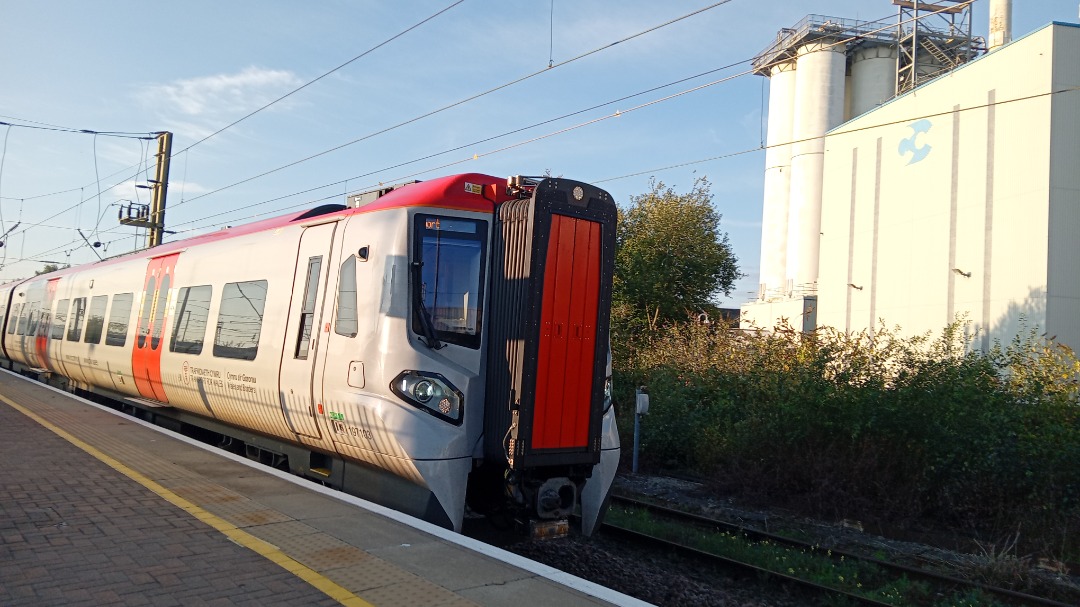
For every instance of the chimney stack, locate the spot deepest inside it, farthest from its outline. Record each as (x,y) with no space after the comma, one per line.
(1000,24)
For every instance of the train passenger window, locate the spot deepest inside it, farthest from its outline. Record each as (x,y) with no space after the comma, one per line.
(116,334)
(159,311)
(31,329)
(240,319)
(448,283)
(22,319)
(189,328)
(60,319)
(345,323)
(78,311)
(307,315)
(95,319)
(14,320)
(147,306)
(43,324)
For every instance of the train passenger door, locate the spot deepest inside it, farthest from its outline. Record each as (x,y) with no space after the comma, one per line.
(296,380)
(150,330)
(41,342)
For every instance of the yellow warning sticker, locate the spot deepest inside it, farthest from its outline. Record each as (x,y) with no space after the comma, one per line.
(473,188)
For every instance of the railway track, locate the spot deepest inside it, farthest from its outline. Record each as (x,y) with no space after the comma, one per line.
(843,582)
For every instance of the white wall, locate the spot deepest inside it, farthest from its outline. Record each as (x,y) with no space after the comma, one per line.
(1063,303)
(799,313)
(979,200)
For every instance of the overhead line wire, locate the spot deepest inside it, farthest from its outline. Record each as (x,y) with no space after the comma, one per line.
(552,134)
(618,113)
(720,157)
(526,77)
(463,146)
(3,157)
(450,106)
(78,204)
(118,134)
(849,131)
(52,127)
(459,102)
(56,127)
(309,83)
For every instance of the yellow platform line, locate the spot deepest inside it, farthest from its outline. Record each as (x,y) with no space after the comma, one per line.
(243,538)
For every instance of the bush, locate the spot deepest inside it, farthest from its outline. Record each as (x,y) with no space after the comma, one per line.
(869,427)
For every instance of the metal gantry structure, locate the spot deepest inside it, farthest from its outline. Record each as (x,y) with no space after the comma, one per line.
(153,217)
(933,38)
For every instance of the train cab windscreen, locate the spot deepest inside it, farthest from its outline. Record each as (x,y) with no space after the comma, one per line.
(448,279)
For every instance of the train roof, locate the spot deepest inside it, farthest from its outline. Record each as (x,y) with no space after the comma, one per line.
(473,192)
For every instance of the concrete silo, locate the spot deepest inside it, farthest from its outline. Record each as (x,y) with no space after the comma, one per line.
(774,223)
(822,72)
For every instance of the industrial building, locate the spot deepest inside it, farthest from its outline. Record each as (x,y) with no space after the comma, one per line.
(912,179)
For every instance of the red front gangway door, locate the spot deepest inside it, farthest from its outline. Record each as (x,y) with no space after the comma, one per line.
(150,330)
(564,376)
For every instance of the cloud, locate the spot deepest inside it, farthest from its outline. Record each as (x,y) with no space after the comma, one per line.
(129,190)
(208,97)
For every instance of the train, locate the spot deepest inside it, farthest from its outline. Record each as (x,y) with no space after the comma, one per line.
(439,347)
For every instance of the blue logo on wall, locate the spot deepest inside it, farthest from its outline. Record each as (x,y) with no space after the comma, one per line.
(908,145)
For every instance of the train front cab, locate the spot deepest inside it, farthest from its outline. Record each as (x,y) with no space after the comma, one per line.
(548,419)
(504,292)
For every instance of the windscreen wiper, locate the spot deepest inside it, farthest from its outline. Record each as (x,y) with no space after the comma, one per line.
(426,324)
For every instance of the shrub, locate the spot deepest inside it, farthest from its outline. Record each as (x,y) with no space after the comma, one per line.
(871,427)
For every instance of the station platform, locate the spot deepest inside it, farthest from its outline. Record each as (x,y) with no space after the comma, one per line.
(97,508)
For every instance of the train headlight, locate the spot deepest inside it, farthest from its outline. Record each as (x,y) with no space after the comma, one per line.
(423,390)
(431,393)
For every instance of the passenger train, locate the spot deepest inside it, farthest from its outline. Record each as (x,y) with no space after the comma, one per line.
(439,347)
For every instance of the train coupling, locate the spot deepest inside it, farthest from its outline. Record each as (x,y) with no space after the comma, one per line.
(556,498)
(547,504)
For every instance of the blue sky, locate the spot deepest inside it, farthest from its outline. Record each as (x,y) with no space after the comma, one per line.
(194,67)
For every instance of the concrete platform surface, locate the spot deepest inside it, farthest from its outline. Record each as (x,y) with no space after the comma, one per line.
(97,508)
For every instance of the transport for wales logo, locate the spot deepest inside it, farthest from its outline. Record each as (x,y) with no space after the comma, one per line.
(908,145)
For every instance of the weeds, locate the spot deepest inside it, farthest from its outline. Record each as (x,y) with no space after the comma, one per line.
(1001,566)
(816,565)
(880,429)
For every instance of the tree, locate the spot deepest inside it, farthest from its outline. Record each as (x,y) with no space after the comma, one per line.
(671,257)
(51,267)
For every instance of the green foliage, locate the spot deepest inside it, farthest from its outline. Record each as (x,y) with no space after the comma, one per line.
(818,565)
(671,258)
(873,428)
(51,267)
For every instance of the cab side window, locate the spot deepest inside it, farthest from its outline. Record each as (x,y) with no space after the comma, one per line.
(346,322)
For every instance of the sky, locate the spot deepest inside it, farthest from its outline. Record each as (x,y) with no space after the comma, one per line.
(391,92)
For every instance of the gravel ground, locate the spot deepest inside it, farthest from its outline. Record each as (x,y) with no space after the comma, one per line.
(1041,579)
(665,581)
(653,578)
